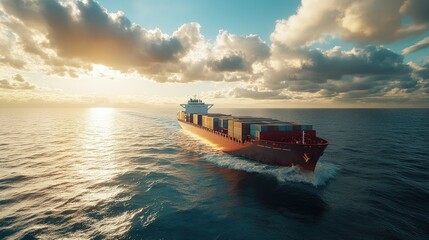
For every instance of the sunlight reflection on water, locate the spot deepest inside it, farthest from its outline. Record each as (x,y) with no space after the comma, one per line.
(63,165)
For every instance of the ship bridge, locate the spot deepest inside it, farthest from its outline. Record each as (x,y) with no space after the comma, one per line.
(195,105)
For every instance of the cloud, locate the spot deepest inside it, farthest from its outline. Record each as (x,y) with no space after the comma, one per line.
(366,21)
(86,31)
(6,50)
(256,93)
(251,46)
(416,47)
(11,61)
(229,63)
(16,83)
(422,74)
(338,74)
(237,53)
(71,36)
(67,38)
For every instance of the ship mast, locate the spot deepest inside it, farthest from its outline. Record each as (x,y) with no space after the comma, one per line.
(303,134)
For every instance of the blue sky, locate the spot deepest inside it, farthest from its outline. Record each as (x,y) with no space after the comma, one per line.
(238,16)
(309,53)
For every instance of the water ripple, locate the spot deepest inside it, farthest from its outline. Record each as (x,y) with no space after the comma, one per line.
(133,174)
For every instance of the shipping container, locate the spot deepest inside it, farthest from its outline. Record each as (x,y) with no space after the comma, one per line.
(301,127)
(285,127)
(198,119)
(204,120)
(306,127)
(181,115)
(211,122)
(288,136)
(268,127)
(231,128)
(242,123)
(241,132)
(223,122)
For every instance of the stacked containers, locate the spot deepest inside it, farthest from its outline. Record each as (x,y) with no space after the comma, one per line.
(262,127)
(211,121)
(241,130)
(198,119)
(223,122)
(278,130)
(301,127)
(181,115)
(204,120)
(243,126)
(231,128)
(284,127)
(281,131)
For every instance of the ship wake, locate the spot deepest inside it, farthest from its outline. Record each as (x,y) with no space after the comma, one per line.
(320,177)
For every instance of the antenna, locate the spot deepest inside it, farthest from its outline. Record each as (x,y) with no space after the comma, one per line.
(303,133)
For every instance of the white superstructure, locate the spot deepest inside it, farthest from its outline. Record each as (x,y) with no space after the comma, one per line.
(196,106)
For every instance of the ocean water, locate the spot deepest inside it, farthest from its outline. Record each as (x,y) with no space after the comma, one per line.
(134,174)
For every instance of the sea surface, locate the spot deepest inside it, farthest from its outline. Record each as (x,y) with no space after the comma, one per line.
(134,174)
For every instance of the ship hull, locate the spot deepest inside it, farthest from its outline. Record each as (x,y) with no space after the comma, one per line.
(305,156)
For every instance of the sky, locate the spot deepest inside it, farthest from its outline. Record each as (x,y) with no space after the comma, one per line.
(254,53)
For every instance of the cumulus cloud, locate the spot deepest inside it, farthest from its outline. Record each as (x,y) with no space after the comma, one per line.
(66,35)
(237,53)
(366,21)
(6,53)
(86,31)
(421,73)
(335,73)
(416,47)
(67,38)
(16,83)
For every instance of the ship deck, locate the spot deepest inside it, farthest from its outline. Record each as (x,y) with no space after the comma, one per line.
(284,143)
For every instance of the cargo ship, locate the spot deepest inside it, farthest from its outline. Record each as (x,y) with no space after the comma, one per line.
(261,139)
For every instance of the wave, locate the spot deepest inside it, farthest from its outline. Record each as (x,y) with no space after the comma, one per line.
(321,176)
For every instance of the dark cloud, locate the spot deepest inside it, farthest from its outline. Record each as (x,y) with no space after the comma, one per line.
(230,64)
(422,74)
(416,9)
(371,60)
(16,83)
(371,71)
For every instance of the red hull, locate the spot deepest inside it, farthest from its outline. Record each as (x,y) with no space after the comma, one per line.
(273,153)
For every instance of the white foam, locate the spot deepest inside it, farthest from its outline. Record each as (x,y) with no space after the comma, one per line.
(323,173)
